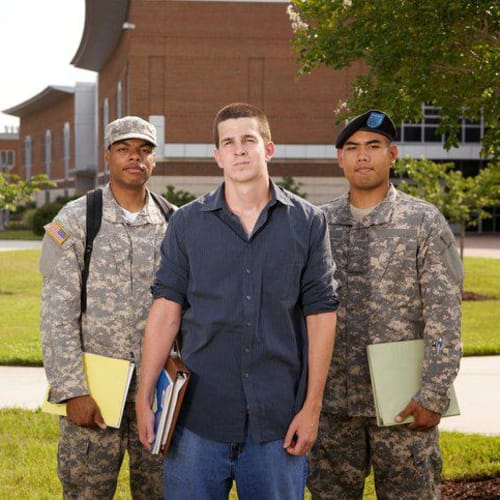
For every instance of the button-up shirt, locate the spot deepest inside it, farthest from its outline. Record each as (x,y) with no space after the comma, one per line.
(245,300)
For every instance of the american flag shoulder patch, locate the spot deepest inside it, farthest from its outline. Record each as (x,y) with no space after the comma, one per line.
(57,232)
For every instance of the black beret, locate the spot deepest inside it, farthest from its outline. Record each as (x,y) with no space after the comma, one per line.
(373,121)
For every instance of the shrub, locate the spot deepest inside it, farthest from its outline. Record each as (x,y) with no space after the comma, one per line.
(289,184)
(44,214)
(178,196)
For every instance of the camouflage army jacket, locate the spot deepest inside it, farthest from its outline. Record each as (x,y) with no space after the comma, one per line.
(122,268)
(399,278)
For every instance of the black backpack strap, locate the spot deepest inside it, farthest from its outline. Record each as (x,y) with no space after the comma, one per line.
(94,215)
(167,208)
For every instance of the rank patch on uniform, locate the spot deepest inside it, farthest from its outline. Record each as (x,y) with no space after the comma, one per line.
(57,232)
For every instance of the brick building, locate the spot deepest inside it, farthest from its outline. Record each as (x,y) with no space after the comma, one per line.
(58,137)
(10,151)
(176,62)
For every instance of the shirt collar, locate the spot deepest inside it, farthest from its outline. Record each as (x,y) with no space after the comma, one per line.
(114,213)
(215,199)
(381,214)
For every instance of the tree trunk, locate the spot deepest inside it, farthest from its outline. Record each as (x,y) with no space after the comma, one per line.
(462,240)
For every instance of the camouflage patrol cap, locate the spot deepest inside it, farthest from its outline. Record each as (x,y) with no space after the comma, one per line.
(373,121)
(129,127)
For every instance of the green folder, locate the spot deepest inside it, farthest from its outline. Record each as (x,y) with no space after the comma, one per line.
(396,375)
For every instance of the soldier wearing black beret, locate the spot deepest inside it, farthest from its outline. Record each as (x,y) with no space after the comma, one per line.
(371,121)
(399,279)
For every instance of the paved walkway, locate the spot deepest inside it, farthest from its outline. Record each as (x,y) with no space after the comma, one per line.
(19,244)
(475,246)
(478,394)
(482,246)
(476,386)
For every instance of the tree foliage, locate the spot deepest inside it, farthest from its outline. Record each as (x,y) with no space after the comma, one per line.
(288,183)
(443,53)
(178,197)
(14,191)
(462,200)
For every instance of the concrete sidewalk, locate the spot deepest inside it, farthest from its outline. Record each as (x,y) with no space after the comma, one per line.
(476,386)
(482,246)
(6,245)
(475,245)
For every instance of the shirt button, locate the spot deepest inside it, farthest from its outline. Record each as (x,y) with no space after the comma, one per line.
(247,270)
(249,297)
(249,323)
(245,375)
(247,349)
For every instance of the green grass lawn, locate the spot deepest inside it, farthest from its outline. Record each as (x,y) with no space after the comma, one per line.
(481,319)
(19,234)
(20,284)
(482,276)
(28,447)
(28,440)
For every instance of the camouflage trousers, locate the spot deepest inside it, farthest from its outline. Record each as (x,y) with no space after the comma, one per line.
(89,460)
(406,464)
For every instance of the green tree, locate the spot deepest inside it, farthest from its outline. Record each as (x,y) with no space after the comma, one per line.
(443,53)
(288,183)
(14,191)
(178,196)
(462,200)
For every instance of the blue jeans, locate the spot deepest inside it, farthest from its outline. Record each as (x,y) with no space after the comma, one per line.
(201,469)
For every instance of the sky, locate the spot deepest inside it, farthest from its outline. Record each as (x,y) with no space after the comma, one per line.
(38,39)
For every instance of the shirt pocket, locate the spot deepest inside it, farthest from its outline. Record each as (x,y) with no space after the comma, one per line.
(282,271)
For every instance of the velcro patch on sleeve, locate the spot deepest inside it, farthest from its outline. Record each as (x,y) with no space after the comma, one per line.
(57,232)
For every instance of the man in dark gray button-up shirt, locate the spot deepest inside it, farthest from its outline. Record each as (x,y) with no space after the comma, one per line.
(250,268)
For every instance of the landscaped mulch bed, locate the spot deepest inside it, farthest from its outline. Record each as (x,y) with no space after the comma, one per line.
(484,489)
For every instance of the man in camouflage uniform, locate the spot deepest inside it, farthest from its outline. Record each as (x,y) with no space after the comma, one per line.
(124,260)
(399,278)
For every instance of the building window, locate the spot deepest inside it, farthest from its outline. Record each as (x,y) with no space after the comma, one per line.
(27,156)
(7,158)
(105,116)
(47,154)
(66,154)
(105,121)
(48,151)
(425,130)
(119,99)
(66,141)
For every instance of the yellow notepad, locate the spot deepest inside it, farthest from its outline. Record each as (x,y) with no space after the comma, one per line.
(108,380)
(396,376)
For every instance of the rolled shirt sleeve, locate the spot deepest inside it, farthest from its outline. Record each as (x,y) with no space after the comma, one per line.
(172,277)
(318,282)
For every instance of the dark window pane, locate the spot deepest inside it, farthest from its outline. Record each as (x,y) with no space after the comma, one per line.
(412,134)
(472,134)
(431,136)
(487,225)
(431,121)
